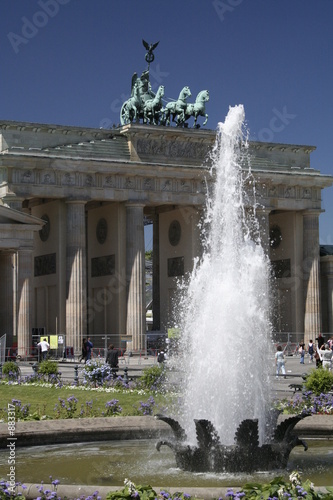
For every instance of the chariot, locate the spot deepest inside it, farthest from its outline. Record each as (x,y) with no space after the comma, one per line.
(147,106)
(144,103)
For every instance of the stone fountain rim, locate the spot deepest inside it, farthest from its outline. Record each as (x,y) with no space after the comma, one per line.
(39,433)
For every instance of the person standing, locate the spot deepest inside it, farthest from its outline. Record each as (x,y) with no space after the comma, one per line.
(83,351)
(112,359)
(320,341)
(89,346)
(279,362)
(311,351)
(44,346)
(161,357)
(302,353)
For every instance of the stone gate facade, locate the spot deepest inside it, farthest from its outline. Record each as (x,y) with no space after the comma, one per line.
(74,202)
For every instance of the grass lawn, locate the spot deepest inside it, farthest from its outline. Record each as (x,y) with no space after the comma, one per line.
(43,400)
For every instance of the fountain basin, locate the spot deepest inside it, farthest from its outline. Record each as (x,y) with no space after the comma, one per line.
(138,438)
(108,464)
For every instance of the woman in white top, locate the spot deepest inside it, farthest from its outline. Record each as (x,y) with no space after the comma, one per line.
(279,361)
(325,354)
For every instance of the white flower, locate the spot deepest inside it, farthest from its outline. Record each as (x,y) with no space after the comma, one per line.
(295,478)
(281,492)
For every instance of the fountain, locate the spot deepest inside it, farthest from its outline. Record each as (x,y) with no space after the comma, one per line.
(226,331)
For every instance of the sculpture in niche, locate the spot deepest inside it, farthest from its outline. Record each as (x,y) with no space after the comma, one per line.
(45,231)
(147,184)
(129,183)
(184,186)
(101,231)
(272,191)
(27,176)
(289,192)
(89,180)
(167,186)
(47,179)
(306,193)
(109,181)
(67,179)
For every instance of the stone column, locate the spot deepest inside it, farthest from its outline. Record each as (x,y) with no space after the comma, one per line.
(156,273)
(76,303)
(311,275)
(135,275)
(263,220)
(24,300)
(330,302)
(7,295)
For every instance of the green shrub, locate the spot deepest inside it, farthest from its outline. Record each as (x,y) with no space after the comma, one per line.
(48,369)
(11,370)
(152,377)
(319,381)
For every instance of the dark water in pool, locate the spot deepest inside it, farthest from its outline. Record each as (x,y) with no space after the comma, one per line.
(109,464)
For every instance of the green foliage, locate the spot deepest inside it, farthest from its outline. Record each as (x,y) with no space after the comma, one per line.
(144,492)
(149,255)
(152,378)
(319,381)
(48,367)
(11,370)
(281,488)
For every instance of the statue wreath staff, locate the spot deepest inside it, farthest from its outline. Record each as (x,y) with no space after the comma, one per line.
(150,48)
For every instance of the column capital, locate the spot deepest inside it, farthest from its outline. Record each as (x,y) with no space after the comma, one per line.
(312,212)
(135,203)
(76,202)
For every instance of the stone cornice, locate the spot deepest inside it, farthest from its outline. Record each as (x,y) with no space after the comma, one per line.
(52,129)
(148,131)
(20,217)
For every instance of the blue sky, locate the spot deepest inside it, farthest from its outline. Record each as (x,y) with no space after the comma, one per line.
(70,62)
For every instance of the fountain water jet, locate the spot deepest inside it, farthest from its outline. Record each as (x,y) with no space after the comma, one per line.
(226,331)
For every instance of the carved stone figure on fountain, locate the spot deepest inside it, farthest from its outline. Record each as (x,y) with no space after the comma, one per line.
(244,456)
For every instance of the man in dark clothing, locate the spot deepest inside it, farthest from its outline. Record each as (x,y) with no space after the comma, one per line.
(320,340)
(112,359)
